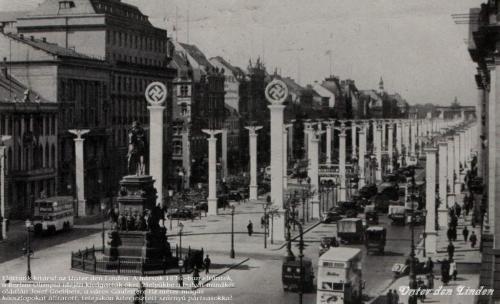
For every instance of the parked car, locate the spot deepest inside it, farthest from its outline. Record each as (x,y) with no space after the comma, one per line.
(368,191)
(181,213)
(331,217)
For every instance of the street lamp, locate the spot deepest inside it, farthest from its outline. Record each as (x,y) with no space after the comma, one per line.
(29,225)
(413,278)
(301,259)
(424,213)
(181,261)
(103,209)
(170,195)
(232,232)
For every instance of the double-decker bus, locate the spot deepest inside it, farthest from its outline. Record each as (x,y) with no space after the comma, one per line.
(53,214)
(339,276)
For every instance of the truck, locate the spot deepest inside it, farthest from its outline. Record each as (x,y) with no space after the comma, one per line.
(291,271)
(397,214)
(350,230)
(340,276)
(375,239)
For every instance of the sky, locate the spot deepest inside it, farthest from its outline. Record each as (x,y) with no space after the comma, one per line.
(414,45)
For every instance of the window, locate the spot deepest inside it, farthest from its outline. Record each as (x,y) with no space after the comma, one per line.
(66,4)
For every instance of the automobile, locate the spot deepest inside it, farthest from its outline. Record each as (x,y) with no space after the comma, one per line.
(343,207)
(181,213)
(291,277)
(244,192)
(202,206)
(235,195)
(371,215)
(368,191)
(326,242)
(330,217)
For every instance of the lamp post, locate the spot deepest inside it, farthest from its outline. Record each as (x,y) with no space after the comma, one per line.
(103,211)
(180,263)
(29,225)
(301,259)
(424,213)
(413,278)
(170,195)
(232,232)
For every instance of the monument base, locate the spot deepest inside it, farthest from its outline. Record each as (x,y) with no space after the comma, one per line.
(212,206)
(279,231)
(431,242)
(82,206)
(443,218)
(253,194)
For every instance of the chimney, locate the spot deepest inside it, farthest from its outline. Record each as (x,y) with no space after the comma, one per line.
(21,36)
(44,39)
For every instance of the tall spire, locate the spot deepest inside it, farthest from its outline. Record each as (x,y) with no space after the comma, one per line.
(381,85)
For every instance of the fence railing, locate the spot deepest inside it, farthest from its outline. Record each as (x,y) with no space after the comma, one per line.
(87,261)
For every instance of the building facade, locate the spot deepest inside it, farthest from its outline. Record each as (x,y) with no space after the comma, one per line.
(31,153)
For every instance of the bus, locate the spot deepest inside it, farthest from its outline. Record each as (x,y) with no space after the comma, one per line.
(339,276)
(53,214)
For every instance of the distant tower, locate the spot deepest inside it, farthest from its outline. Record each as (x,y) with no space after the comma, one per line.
(381,86)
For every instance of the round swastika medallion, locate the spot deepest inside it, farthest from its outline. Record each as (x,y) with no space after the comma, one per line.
(156,93)
(276,92)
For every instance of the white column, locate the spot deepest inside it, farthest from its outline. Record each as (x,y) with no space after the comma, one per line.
(329,126)
(399,141)
(430,200)
(443,164)
(479,128)
(342,169)
(413,136)
(224,154)
(156,149)
(362,153)
(406,139)
(80,170)
(353,139)
(374,135)
(456,141)
(253,160)
(290,140)
(186,157)
(307,129)
(492,151)
(212,171)
(451,172)
(276,111)
(4,140)
(378,153)
(285,154)
(390,151)
(313,172)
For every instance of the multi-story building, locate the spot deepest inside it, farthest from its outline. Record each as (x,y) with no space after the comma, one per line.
(198,104)
(31,153)
(112,52)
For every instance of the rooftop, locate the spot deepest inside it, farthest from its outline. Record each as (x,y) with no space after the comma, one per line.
(341,254)
(13,91)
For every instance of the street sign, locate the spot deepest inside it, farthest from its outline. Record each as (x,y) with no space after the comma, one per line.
(156,93)
(276,92)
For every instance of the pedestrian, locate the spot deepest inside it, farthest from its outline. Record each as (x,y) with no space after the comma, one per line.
(429,265)
(430,280)
(458,210)
(207,263)
(473,239)
(451,251)
(449,234)
(262,222)
(465,233)
(196,276)
(445,271)
(389,297)
(454,233)
(395,297)
(250,228)
(453,270)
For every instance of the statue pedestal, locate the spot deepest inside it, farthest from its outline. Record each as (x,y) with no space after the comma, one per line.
(138,235)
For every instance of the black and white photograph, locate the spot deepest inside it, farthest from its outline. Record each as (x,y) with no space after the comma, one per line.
(249,151)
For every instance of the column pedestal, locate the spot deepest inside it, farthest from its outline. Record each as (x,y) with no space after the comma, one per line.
(276,112)
(430,200)
(431,242)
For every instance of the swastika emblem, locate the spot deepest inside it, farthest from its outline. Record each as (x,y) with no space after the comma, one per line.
(276,92)
(156,93)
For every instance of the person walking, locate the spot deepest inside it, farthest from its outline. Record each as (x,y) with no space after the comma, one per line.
(453,270)
(449,234)
(458,210)
(389,297)
(451,251)
(445,271)
(395,297)
(207,263)
(250,228)
(196,276)
(430,280)
(465,233)
(429,265)
(473,239)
